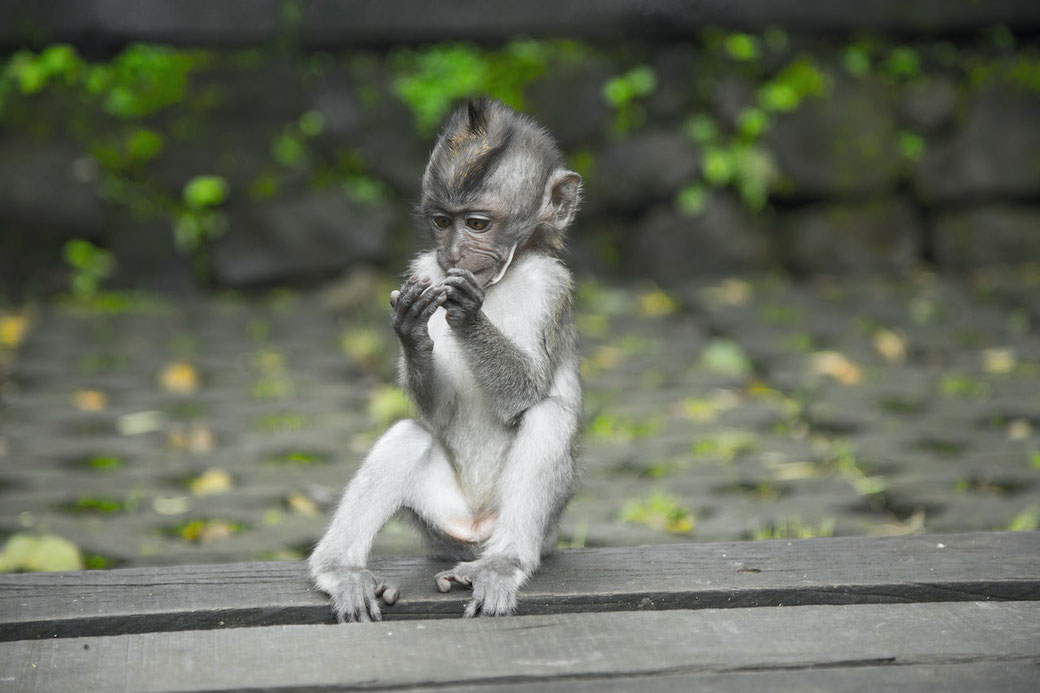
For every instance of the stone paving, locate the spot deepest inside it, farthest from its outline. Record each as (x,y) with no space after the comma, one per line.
(147,431)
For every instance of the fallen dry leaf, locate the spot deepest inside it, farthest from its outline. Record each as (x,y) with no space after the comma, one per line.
(140,422)
(13,329)
(1019,429)
(891,345)
(89,400)
(657,303)
(180,377)
(171,505)
(837,366)
(302,504)
(730,292)
(197,439)
(215,531)
(999,360)
(211,481)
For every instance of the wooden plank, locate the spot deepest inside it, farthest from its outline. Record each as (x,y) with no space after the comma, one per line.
(392,22)
(1009,677)
(531,649)
(845,570)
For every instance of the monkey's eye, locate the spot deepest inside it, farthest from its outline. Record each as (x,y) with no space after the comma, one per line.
(477,223)
(442,221)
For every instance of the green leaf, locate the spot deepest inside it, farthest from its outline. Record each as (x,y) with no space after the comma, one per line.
(660,511)
(288,149)
(691,200)
(778,97)
(205,191)
(903,62)
(727,357)
(143,145)
(701,128)
(59,59)
(42,553)
(742,47)
(752,122)
(312,123)
(717,164)
(643,80)
(911,145)
(856,60)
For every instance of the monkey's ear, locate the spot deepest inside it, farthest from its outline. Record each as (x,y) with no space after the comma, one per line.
(562,194)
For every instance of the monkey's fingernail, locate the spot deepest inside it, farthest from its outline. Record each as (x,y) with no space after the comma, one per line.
(443,584)
(390,595)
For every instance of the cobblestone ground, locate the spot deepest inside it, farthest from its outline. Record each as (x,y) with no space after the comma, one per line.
(151,432)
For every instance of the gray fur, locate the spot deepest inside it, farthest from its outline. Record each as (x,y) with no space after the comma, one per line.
(489,353)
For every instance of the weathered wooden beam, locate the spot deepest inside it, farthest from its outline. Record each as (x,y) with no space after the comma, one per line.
(909,644)
(845,570)
(362,22)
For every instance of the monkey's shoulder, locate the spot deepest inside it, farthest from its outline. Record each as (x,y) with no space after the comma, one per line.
(536,289)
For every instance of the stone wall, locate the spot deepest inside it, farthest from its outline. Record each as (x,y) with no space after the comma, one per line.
(714,152)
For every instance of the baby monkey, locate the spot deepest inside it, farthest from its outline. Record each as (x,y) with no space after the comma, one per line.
(489,354)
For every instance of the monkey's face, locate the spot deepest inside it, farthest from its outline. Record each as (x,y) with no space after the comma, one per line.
(473,239)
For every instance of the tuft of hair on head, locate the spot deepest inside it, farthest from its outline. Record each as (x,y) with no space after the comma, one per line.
(477,115)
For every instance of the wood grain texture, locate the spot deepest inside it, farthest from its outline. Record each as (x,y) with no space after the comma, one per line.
(529,650)
(848,570)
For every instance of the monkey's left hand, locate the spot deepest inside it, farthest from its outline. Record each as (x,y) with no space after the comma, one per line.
(464,297)
(495,580)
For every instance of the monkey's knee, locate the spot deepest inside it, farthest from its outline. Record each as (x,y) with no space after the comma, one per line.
(402,448)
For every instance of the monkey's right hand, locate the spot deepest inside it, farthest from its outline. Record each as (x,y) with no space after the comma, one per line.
(355,593)
(411,309)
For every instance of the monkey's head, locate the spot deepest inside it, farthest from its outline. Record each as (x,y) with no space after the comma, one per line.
(495,184)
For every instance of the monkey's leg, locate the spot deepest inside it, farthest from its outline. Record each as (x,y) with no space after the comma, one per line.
(535,485)
(405,467)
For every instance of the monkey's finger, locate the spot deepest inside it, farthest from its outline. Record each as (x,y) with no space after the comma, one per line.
(467,285)
(389,593)
(467,276)
(410,291)
(373,609)
(423,300)
(430,309)
(462,295)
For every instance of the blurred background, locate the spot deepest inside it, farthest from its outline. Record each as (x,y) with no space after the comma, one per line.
(808,262)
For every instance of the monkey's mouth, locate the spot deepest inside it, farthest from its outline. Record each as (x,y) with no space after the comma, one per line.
(487,269)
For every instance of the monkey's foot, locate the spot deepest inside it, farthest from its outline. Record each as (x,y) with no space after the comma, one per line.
(495,581)
(355,594)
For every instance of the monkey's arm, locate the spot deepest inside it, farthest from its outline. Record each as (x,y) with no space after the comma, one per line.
(415,374)
(412,307)
(514,379)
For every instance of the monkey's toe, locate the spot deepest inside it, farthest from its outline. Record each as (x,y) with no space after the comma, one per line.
(447,578)
(355,594)
(389,593)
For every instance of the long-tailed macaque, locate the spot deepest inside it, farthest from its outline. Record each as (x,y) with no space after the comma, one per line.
(489,354)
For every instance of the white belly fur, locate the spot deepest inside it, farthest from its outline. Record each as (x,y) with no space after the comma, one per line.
(477,441)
